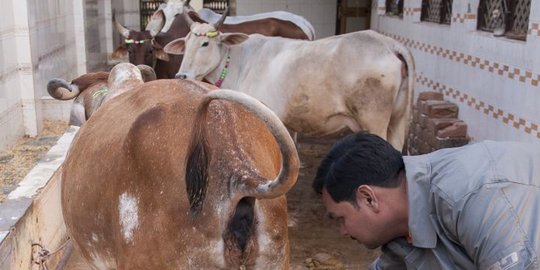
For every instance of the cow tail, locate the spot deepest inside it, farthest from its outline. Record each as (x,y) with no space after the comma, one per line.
(62,90)
(406,89)
(198,160)
(255,185)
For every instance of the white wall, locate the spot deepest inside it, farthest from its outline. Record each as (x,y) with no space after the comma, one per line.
(11,113)
(57,49)
(493,80)
(39,40)
(98,33)
(320,13)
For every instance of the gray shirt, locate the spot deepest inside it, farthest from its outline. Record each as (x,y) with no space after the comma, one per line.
(473,207)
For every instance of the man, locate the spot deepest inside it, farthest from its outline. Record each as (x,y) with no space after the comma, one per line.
(473,207)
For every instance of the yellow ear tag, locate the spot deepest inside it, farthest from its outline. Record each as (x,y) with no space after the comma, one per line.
(211,34)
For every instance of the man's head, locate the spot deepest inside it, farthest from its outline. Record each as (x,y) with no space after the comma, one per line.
(362,183)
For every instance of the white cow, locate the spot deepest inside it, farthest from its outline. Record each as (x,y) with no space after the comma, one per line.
(212,17)
(175,7)
(361,80)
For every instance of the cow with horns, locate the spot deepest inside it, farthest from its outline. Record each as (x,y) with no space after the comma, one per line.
(164,27)
(180,177)
(360,81)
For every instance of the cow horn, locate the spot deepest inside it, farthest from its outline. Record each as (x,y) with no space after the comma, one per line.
(262,188)
(60,89)
(222,19)
(120,28)
(188,19)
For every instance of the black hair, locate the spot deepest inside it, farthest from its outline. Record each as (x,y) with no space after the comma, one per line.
(358,159)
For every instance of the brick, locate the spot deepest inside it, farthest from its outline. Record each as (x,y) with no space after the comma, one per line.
(441,110)
(421,106)
(430,95)
(432,140)
(417,130)
(415,115)
(436,124)
(424,148)
(457,129)
(426,134)
(422,120)
(451,142)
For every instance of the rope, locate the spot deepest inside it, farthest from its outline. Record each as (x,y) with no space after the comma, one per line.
(44,254)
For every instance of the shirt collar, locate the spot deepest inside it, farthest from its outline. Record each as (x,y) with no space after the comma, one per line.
(421,228)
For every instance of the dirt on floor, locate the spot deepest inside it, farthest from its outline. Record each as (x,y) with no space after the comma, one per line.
(18,160)
(315,240)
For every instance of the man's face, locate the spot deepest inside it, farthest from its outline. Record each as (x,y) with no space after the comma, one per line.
(359,221)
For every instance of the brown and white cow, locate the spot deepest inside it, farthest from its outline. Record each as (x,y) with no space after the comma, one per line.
(145,47)
(176,176)
(92,89)
(360,81)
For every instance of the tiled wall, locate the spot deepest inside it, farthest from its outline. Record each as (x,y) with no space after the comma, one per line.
(494,80)
(320,13)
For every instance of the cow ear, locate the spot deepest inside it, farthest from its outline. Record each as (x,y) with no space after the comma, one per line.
(176,46)
(120,52)
(156,23)
(161,54)
(233,38)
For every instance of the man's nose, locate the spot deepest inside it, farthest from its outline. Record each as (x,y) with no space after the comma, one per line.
(181,76)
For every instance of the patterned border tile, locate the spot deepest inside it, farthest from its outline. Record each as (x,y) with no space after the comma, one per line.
(507,118)
(409,11)
(534,30)
(514,73)
(462,17)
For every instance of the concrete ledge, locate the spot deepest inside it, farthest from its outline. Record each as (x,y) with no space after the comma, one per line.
(21,199)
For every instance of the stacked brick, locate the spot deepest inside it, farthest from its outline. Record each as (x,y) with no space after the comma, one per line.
(435,125)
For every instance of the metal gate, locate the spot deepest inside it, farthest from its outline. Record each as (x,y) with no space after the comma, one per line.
(147,8)
(437,11)
(512,16)
(216,5)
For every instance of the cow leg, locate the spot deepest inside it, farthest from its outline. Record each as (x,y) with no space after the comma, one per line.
(77,116)
(397,132)
(377,125)
(398,128)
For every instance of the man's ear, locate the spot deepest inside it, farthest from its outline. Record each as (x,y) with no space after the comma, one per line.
(365,196)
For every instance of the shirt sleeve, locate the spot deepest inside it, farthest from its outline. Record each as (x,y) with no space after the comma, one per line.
(494,224)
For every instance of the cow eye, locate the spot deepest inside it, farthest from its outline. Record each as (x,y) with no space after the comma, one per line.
(205,44)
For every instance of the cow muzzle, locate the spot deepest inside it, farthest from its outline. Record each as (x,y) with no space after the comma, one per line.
(181,76)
